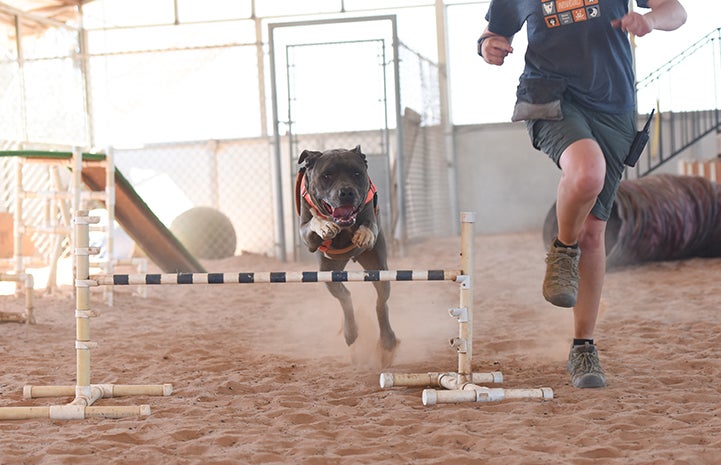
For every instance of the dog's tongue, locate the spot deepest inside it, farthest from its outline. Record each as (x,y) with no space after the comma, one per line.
(343,213)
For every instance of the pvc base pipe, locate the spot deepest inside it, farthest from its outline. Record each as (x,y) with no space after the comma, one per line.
(473,393)
(108,390)
(389,380)
(73,412)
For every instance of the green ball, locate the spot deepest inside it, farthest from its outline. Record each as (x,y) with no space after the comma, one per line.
(205,232)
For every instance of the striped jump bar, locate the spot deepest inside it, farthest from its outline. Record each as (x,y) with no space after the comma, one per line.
(276,277)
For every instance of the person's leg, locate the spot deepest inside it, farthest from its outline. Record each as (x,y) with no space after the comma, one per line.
(590,148)
(583,172)
(583,363)
(591,270)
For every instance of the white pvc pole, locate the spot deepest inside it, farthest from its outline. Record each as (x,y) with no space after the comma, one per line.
(465,325)
(82,298)
(110,208)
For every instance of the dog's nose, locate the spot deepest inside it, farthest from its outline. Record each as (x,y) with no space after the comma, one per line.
(346,194)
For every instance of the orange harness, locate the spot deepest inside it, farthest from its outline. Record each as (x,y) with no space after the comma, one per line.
(301,192)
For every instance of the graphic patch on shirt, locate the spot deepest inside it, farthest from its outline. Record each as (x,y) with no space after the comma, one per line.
(563,12)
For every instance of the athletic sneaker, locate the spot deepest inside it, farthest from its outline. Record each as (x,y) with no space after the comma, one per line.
(560,286)
(585,368)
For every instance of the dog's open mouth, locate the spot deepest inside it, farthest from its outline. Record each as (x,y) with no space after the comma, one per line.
(343,215)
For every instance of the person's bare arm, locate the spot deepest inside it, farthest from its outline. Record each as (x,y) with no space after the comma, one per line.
(665,15)
(494,48)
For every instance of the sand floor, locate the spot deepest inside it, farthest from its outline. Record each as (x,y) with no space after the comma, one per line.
(261,374)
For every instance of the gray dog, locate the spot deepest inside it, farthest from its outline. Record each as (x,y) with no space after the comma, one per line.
(337,204)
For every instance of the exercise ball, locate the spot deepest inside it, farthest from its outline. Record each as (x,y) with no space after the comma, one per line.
(205,232)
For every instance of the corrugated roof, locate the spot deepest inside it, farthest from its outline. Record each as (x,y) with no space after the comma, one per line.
(57,10)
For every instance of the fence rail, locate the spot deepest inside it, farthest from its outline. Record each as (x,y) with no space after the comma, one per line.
(684,115)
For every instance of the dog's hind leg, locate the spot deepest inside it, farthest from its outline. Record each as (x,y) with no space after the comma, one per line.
(388,337)
(375,260)
(350,329)
(340,292)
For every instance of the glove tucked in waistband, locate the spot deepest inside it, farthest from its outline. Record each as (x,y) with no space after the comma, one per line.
(539,98)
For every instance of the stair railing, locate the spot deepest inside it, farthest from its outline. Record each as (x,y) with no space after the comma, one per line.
(682,117)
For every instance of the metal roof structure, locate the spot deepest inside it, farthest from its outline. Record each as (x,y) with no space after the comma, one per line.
(54,10)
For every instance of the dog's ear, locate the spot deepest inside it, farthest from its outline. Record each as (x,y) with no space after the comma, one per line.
(357,150)
(307,158)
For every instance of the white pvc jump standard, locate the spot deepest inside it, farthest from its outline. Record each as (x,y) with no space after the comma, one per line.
(86,394)
(463,385)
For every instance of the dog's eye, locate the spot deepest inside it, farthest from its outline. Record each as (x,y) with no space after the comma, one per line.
(327,175)
(356,174)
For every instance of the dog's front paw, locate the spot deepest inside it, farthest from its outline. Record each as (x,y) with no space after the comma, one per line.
(364,237)
(323,228)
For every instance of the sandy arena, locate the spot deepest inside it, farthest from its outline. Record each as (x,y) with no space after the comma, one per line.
(261,374)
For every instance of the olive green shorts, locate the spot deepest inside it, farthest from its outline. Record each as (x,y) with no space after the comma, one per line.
(613,132)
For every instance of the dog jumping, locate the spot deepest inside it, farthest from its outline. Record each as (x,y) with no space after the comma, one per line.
(338,208)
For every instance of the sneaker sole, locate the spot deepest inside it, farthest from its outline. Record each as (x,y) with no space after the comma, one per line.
(589,380)
(561,300)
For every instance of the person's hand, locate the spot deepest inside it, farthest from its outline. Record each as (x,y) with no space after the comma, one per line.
(635,23)
(495,49)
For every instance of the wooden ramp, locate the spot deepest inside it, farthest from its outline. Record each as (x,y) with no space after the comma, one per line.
(141,224)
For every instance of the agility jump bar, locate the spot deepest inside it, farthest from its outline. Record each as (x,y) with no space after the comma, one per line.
(275,277)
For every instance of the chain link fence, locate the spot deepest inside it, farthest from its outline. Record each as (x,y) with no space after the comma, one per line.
(230,176)
(427,192)
(41,84)
(41,100)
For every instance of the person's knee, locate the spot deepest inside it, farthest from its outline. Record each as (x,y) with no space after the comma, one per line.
(584,168)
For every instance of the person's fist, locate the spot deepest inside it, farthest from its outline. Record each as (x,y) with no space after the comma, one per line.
(635,23)
(495,49)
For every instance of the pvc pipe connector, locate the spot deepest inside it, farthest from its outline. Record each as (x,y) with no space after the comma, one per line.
(86,313)
(460,313)
(386,380)
(87,250)
(82,218)
(468,217)
(429,397)
(464,280)
(497,377)
(547,393)
(85,345)
(460,344)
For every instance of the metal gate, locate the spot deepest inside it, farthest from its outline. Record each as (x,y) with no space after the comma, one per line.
(337,88)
